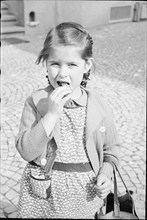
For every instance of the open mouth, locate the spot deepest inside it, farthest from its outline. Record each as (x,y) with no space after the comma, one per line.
(61,83)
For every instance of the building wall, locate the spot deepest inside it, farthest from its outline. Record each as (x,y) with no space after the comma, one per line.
(49,13)
(45,12)
(96,13)
(88,13)
(69,11)
(16,7)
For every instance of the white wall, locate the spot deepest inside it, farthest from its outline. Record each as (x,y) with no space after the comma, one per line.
(49,13)
(45,15)
(16,7)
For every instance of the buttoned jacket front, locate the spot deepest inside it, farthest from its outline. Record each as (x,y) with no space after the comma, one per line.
(102,141)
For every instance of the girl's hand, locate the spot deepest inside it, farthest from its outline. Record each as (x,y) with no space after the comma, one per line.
(104,186)
(57,99)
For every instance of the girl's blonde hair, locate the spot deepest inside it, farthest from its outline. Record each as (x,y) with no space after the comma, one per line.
(67,33)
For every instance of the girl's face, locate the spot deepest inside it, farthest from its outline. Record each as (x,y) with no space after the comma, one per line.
(65,66)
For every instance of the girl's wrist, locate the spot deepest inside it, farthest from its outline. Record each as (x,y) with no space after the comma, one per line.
(51,116)
(49,121)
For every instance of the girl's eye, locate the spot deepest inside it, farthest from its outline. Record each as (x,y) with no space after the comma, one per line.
(72,64)
(54,64)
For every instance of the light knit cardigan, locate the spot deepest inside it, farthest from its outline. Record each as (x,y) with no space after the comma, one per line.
(102,140)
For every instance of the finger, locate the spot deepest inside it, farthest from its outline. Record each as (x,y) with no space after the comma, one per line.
(60,93)
(101,180)
(65,99)
(102,194)
(105,190)
(58,90)
(104,187)
(105,184)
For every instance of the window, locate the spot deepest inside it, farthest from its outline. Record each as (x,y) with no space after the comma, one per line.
(32,16)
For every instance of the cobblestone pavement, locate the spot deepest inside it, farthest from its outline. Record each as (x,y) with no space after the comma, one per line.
(120,78)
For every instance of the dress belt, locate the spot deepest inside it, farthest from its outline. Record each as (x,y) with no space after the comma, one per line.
(69,167)
(72,167)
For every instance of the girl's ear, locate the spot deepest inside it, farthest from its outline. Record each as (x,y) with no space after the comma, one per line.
(89,64)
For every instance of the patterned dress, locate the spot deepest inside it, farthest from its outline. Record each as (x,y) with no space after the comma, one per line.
(72,193)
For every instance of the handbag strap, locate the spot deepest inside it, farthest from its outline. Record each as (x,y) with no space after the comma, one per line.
(116,201)
(116,168)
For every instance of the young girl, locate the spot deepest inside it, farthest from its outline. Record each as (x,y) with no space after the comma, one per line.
(66,134)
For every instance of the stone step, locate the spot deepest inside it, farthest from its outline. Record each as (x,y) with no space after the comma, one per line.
(9,23)
(8,20)
(8,17)
(7,30)
(4,10)
(4,5)
(11,35)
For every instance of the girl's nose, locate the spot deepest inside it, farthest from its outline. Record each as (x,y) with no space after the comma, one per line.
(63,72)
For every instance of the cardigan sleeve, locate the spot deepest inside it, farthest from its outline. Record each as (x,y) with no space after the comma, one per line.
(111,147)
(31,139)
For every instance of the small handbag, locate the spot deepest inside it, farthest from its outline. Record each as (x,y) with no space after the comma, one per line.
(118,207)
(40,184)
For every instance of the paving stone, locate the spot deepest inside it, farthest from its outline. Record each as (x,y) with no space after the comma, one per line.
(141,163)
(132,174)
(2,215)
(11,154)
(11,194)
(20,171)
(8,173)
(10,158)
(4,155)
(127,168)
(15,200)
(23,164)
(129,184)
(128,152)
(3,169)
(10,209)
(141,213)
(16,164)
(135,180)
(1,198)
(13,168)
(11,182)
(138,185)
(13,215)
(3,180)
(4,189)
(3,146)
(16,177)
(142,148)
(126,158)
(8,162)
(5,203)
